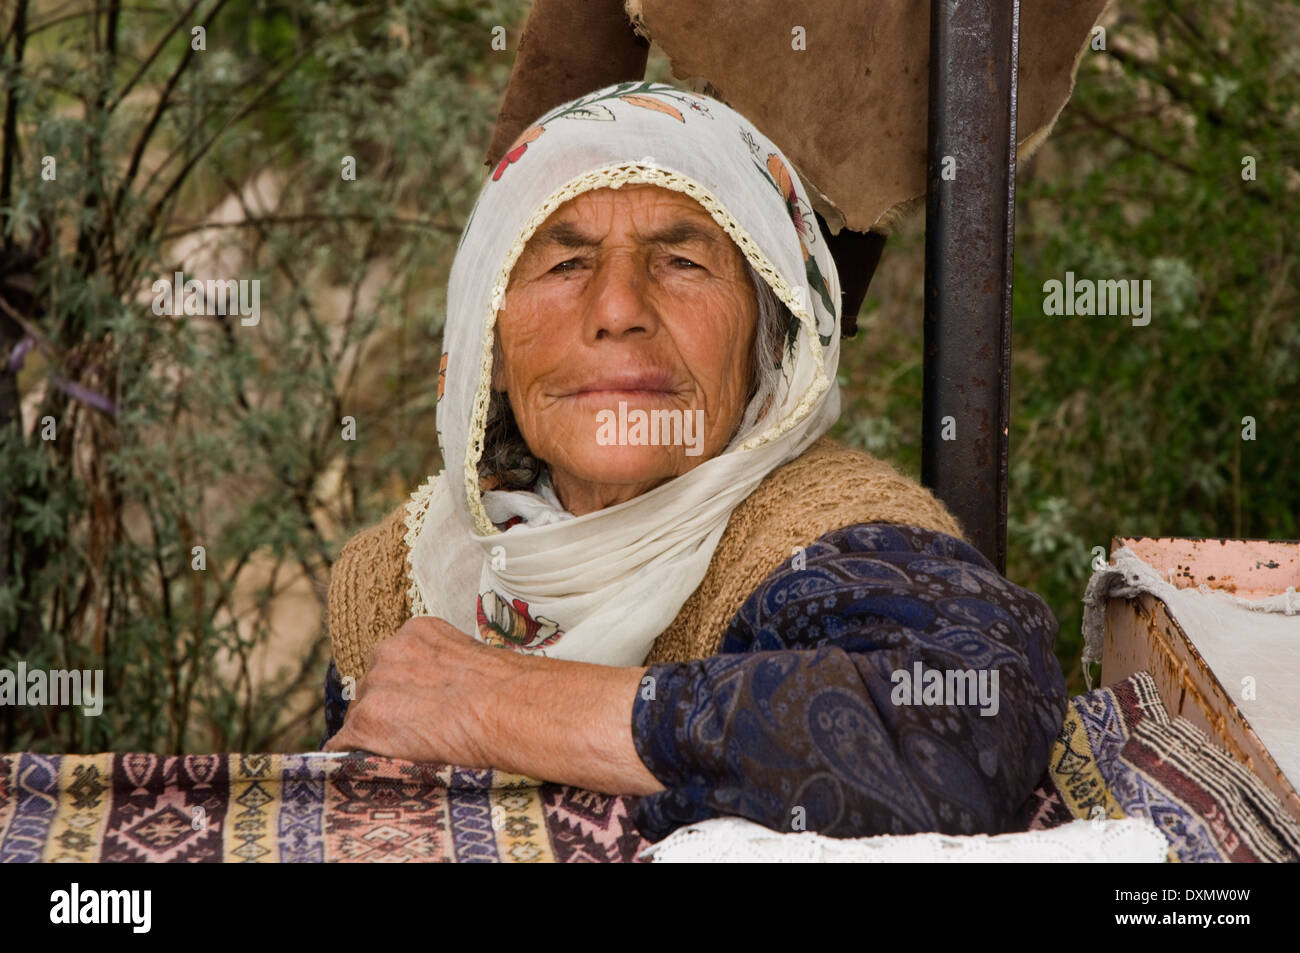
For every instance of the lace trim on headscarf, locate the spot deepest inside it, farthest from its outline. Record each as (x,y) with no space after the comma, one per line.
(416,509)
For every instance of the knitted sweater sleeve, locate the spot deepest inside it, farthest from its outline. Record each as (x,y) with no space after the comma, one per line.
(368,594)
(892,684)
(368,602)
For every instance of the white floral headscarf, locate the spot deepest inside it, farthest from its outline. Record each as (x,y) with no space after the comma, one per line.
(602,586)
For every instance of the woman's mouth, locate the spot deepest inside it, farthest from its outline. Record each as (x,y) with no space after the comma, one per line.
(640,385)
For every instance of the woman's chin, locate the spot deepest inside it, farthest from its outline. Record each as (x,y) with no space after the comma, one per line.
(631,466)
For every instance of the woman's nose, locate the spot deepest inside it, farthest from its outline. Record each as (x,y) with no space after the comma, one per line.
(619,298)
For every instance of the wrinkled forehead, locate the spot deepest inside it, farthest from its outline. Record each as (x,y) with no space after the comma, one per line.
(640,213)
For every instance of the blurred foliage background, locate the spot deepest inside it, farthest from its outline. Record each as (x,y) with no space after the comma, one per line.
(179,529)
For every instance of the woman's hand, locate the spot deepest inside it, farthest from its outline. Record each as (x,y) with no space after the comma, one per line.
(421,697)
(433,693)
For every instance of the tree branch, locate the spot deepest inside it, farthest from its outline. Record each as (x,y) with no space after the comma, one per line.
(257,221)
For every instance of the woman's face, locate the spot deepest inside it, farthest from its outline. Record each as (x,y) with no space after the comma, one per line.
(631,296)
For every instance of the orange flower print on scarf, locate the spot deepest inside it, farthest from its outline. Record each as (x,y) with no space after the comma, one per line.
(652,96)
(779,176)
(658,105)
(517,149)
(442,375)
(509,625)
(800,214)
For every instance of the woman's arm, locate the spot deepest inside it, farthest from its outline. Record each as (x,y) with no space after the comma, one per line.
(569,722)
(433,693)
(804,721)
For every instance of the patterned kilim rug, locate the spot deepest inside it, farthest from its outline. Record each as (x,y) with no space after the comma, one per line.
(1118,752)
(287,807)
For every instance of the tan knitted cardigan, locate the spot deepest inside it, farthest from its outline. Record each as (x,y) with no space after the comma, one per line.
(827,487)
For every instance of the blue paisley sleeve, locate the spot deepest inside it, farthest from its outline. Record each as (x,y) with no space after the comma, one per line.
(889,681)
(336,706)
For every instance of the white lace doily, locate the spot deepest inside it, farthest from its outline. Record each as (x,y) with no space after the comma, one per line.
(734,840)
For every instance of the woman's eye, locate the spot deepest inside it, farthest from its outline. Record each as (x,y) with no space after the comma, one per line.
(684,263)
(561,268)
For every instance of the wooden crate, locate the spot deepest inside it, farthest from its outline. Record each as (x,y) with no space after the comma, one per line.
(1141,636)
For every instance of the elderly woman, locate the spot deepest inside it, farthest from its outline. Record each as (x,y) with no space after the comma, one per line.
(701,599)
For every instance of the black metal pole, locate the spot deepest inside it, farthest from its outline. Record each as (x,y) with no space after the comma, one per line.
(969,239)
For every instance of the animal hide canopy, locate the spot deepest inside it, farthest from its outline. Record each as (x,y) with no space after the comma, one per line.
(842,86)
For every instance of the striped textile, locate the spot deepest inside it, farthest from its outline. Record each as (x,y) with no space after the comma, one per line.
(260,808)
(1118,751)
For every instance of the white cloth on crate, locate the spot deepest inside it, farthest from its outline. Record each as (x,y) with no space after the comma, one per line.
(736,840)
(1245,642)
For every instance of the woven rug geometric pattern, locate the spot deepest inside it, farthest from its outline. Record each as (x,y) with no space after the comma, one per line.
(1118,754)
(259,808)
